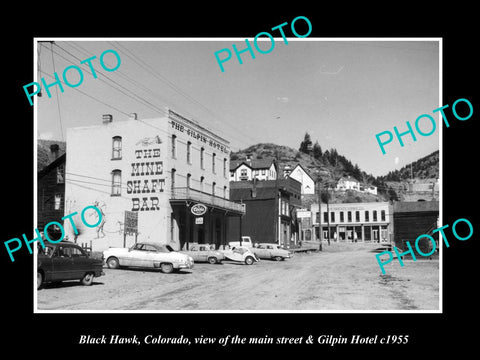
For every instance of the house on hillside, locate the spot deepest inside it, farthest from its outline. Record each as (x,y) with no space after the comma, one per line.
(249,169)
(348,183)
(367,188)
(302,176)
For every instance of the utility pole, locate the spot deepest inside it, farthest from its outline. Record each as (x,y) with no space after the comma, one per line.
(320,231)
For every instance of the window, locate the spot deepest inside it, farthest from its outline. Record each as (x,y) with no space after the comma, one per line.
(61,174)
(374,215)
(332,216)
(213,188)
(189,176)
(201,183)
(58,202)
(224,167)
(243,173)
(116,148)
(173,179)
(325,217)
(224,192)
(382,215)
(189,150)
(202,157)
(341,217)
(317,217)
(349,216)
(367,216)
(357,216)
(116,182)
(263,171)
(213,162)
(174,146)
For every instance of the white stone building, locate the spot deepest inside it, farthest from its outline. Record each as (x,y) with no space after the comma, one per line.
(153,170)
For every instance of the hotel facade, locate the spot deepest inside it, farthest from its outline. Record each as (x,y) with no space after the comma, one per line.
(145,176)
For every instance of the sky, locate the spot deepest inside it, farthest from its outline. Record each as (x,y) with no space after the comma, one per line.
(341,91)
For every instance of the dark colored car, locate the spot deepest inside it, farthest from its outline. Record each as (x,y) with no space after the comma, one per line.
(66,261)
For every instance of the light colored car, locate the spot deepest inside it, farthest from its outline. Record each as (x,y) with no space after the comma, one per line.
(148,255)
(271,251)
(203,253)
(240,253)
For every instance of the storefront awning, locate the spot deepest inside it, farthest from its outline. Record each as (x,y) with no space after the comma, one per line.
(184,194)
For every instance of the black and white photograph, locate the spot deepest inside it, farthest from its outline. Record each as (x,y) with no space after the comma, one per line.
(222,180)
(207,184)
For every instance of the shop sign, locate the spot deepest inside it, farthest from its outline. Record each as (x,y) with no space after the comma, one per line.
(199,220)
(198,209)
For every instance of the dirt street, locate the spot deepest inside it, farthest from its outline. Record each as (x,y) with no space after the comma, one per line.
(342,277)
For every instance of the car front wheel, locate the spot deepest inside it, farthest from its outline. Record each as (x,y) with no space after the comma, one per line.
(277,258)
(212,260)
(249,260)
(87,279)
(112,263)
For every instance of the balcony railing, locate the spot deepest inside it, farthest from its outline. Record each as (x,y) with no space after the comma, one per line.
(185,193)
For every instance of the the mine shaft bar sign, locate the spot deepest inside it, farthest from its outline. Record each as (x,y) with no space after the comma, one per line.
(131,222)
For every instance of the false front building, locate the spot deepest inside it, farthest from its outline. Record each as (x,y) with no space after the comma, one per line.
(145,176)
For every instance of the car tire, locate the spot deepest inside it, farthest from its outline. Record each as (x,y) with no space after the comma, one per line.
(113,263)
(277,258)
(87,279)
(39,280)
(249,260)
(166,268)
(212,260)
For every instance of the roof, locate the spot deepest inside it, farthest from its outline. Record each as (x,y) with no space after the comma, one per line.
(415,206)
(301,167)
(253,164)
(45,156)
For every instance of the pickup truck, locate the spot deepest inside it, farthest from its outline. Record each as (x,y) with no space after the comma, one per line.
(246,241)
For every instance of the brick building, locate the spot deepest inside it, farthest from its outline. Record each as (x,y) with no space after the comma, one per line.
(270,207)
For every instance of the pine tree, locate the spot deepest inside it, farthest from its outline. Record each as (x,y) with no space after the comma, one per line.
(306,144)
(317,151)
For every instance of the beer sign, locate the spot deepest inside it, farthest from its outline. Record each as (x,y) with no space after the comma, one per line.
(198,209)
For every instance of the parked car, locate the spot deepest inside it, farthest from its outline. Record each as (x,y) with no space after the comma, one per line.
(271,251)
(148,255)
(246,241)
(240,253)
(203,253)
(66,261)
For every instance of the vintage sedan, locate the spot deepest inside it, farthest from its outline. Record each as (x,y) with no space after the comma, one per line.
(271,251)
(66,261)
(148,255)
(241,254)
(203,253)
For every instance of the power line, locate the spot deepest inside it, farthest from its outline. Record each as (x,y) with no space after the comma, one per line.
(56,93)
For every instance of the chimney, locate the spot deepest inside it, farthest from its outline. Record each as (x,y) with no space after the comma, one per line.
(54,150)
(132,116)
(107,118)
(249,158)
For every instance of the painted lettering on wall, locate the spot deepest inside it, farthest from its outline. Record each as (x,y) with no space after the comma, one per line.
(150,166)
(199,136)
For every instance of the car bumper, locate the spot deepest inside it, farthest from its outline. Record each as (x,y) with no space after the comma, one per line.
(185,266)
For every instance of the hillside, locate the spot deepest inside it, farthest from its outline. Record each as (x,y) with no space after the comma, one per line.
(329,166)
(424,168)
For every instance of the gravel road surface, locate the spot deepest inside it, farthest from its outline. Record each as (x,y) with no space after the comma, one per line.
(342,277)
